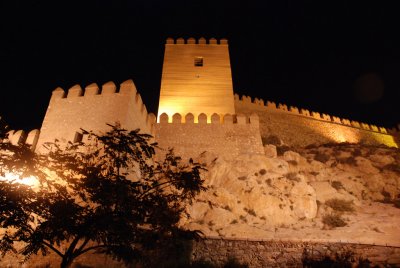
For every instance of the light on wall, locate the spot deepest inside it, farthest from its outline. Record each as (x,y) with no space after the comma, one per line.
(13,178)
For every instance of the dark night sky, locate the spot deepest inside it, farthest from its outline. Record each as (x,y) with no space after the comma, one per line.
(339,58)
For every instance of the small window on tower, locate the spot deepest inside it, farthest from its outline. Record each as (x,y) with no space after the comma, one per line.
(198,61)
(78,137)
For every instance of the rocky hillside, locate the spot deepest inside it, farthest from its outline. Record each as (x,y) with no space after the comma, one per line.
(344,192)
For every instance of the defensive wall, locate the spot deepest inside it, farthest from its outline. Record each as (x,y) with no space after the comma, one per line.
(16,137)
(91,108)
(301,127)
(254,253)
(227,136)
(288,253)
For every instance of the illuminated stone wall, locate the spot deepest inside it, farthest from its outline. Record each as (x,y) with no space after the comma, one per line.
(16,137)
(300,127)
(186,88)
(91,109)
(233,136)
(254,253)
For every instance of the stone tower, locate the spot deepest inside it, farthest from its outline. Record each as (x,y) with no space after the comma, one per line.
(92,108)
(196,78)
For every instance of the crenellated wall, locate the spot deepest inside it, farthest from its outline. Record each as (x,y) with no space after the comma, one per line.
(300,127)
(16,137)
(226,136)
(91,108)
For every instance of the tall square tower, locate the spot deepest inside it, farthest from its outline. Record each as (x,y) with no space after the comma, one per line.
(196,78)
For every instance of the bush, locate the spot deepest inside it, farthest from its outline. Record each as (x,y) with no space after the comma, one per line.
(292,176)
(250,211)
(321,157)
(396,203)
(348,160)
(340,205)
(356,152)
(393,167)
(345,258)
(334,220)
(280,150)
(271,139)
(337,185)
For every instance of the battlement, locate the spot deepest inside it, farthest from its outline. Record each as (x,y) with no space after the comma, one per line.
(91,108)
(17,137)
(193,41)
(225,136)
(227,119)
(310,114)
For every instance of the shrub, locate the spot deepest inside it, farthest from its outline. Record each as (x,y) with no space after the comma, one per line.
(234,222)
(292,176)
(396,203)
(250,211)
(282,149)
(340,258)
(393,167)
(262,172)
(234,263)
(271,139)
(348,160)
(356,152)
(340,205)
(386,197)
(227,208)
(312,145)
(337,185)
(333,220)
(321,157)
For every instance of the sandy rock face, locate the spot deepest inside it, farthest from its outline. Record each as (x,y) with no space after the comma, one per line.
(305,200)
(259,195)
(270,151)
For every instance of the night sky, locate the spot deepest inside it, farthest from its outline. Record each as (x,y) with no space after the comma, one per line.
(340,58)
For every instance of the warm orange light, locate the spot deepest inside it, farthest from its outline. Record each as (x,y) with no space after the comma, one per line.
(13,178)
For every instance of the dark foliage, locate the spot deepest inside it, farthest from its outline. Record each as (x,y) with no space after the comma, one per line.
(346,259)
(271,139)
(321,157)
(107,196)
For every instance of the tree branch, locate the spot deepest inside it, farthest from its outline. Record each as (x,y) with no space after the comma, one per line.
(81,247)
(157,186)
(90,248)
(53,249)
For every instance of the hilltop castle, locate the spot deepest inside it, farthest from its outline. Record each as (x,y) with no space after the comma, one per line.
(198,111)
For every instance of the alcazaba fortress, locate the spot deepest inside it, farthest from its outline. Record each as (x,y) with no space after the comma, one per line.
(198,111)
(264,208)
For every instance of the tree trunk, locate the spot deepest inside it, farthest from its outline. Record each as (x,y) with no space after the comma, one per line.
(66,262)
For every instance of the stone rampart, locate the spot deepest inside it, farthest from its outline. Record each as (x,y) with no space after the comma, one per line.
(301,127)
(16,137)
(254,253)
(225,137)
(91,109)
(289,253)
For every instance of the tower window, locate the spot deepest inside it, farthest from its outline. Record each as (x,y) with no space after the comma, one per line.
(198,61)
(78,137)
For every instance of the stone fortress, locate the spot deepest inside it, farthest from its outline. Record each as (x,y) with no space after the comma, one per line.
(198,110)
(262,207)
